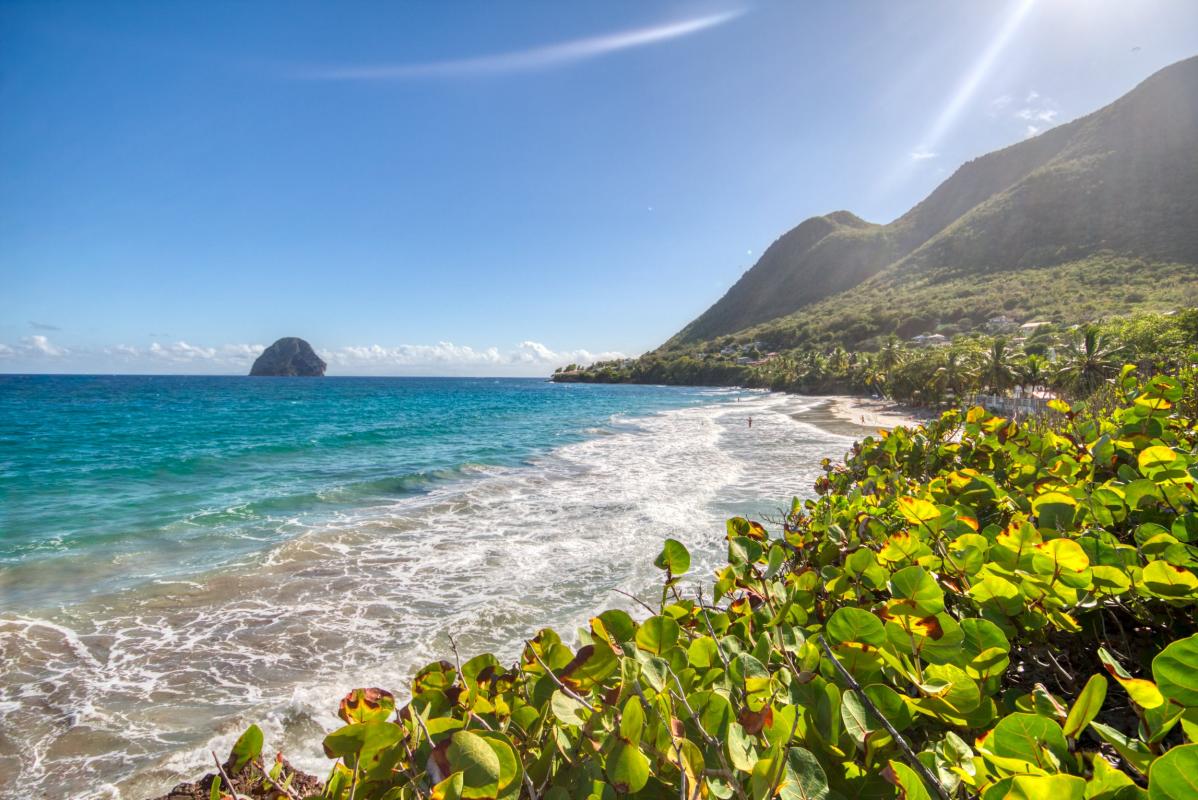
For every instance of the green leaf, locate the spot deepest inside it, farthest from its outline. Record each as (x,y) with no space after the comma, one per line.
(632,721)
(911,786)
(803,778)
(214,793)
(479,764)
(627,768)
(371,705)
(856,719)
(1166,580)
(1144,693)
(568,710)
(1047,787)
(916,585)
(657,634)
(856,625)
(247,748)
(1174,776)
(1176,671)
(917,511)
(1154,459)
(1032,738)
(674,558)
(1086,706)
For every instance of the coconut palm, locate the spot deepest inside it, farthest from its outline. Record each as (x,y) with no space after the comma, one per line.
(1087,362)
(1033,372)
(956,372)
(998,368)
(892,355)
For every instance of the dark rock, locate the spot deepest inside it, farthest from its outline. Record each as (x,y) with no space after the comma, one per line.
(248,784)
(289,357)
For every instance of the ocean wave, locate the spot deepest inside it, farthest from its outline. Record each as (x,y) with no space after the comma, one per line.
(126,693)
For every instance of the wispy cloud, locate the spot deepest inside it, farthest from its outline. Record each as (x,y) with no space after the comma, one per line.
(922,155)
(523,60)
(37,346)
(1039,112)
(43,326)
(447,354)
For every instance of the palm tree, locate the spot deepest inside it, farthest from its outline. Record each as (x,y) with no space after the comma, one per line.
(956,373)
(838,361)
(891,356)
(998,367)
(1088,361)
(1033,373)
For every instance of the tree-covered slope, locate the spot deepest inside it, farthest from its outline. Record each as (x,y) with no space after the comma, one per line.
(1120,183)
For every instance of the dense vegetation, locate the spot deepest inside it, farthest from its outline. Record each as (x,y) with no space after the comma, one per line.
(974,608)
(1065,360)
(1091,218)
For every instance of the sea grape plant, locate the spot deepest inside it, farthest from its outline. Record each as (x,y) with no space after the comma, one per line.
(973,608)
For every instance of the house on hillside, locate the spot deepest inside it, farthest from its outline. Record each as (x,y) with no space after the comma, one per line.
(1001,324)
(930,340)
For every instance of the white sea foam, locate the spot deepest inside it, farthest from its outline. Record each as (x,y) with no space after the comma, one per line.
(126,694)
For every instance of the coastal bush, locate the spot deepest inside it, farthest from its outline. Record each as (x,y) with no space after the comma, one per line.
(972,608)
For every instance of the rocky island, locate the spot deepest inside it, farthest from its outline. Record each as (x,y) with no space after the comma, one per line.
(288,357)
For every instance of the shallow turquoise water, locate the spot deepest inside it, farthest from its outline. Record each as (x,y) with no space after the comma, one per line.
(181,556)
(192,472)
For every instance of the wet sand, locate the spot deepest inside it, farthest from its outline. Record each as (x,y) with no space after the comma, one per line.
(862,416)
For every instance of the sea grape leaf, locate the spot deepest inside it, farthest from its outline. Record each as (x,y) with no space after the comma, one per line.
(856,625)
(910,785)
(917,586)
(1032,738)
(674,558)
(627,768)
(1174,776)
(567,710)
(1047,787)
(247,748)
(657,635)
(478,762)
(1167,580)
(632,721)
(369,705)
(803,778)
(1085,708)
(1144,693)
(1176,671)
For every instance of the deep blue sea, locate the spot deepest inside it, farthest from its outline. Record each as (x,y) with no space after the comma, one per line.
(182,555)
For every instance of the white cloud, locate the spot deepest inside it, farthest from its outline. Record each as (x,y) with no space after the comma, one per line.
(526,60)
(922,155)
(1037,112)
(449,355)
(444,358)
(40,345)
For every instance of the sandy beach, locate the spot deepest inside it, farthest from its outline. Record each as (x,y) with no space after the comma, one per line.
(859,416)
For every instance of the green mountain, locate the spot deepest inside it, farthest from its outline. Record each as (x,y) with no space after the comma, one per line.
(1094,217)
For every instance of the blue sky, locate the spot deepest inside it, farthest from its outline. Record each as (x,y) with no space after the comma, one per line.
(488,187)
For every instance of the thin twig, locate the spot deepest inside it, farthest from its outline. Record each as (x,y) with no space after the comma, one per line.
(569,692)
(711,630)
(645,605)
(908,753)
(781,772)
(223,774)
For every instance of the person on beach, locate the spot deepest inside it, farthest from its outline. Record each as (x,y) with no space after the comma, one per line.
(750,422)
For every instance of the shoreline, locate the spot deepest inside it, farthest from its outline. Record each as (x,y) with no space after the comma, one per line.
(858,417)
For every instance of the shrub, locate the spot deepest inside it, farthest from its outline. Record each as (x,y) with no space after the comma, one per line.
(974,608)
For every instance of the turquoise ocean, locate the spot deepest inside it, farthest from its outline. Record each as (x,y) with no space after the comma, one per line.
(180,556)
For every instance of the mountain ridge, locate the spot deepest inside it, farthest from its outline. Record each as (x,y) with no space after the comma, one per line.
(1118,182)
